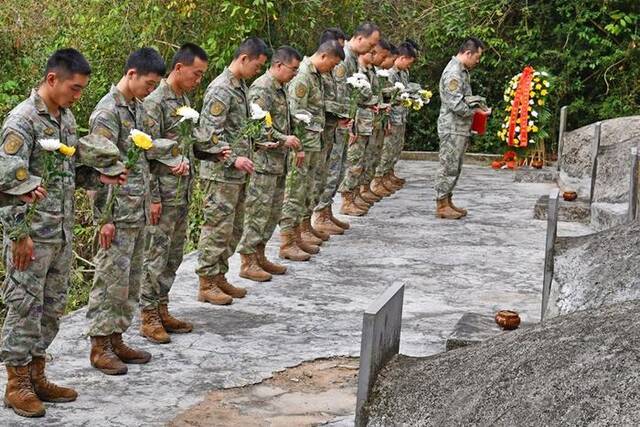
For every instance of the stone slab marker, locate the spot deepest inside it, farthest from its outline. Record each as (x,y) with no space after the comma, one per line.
(633,185)
(380,342)
(552,231)
(597,131)
(562,127)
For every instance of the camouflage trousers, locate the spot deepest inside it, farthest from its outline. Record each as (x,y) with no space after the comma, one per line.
(163,255)
(116,283)
(336,157)
(355,163)
(265,196)
(300,190)
(222,229)
(35,301)
(391,149)
(372,155)
(452,148)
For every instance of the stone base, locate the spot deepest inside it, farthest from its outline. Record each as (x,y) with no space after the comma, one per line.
(528,174)
(608,215)
(473,328)
(575,211)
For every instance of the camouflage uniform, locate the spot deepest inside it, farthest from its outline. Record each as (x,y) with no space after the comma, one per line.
(224,115)
(374,148)
(454,125)
(36,298)
(306,95)
(165,241)
(116,283)
(265,192)
(394,140)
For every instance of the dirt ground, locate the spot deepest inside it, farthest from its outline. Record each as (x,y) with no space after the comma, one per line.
(309,394)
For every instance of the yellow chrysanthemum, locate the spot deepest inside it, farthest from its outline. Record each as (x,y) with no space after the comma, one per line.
(538,86)
(534,128)
(532,94)
(141,139)
(268,121)
(540,102)
(543,92)
(66,150)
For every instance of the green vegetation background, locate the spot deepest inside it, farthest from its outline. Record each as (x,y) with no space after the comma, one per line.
(592,48)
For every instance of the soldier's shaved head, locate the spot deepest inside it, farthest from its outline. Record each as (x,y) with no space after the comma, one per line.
(146,61)
(285,55)
(67,62)
(253,47)
(187,54)
(331,48)
(366,29)
(472,45)
(332,34)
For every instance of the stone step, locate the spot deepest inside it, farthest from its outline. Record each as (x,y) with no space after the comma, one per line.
(608,215)
(575,211)
(473,328)
(528,174)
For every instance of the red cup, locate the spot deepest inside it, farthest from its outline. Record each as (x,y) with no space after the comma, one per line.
(479,123)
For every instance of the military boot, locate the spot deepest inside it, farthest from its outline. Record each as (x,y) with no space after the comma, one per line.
(397,179)
(303,244)
(19,394)
(368,195)
(250,269)
(387,181)
(348,207)
(126,353)
(228,288)
(359,202)
(455,208)
(170,323)
(104,359)
(151,326)
(443,210)
(319,234)
(46,390)
(209,292)
(307,235)
(268,266)
(322,222)
(342,224)
(378,188)
(289,249)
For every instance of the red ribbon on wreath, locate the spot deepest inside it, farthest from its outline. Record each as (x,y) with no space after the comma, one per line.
(520,107)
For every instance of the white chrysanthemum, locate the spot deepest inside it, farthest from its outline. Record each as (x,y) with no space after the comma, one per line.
(257,113)
(187,113)
(359,76)
(405,95)
(530,122)
(399,86)
(534,113)
(544,73)
(531,102)
(383,73)
(303,117)
(50,144)
(546,83)
(517,128)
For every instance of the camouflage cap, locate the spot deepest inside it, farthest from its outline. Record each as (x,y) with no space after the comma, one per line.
(15,178)
(166,151)
(99,153)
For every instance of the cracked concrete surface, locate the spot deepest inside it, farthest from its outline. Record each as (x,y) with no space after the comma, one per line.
(489,261)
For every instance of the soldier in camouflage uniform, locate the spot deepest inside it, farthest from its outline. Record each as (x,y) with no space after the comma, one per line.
(116,283)
(306,97)
(365,37)
(334,139)
(265,192)
(170,203)
(454,124)
(39,257)
(225,114)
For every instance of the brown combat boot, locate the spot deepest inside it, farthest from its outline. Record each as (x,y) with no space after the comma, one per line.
(303,244)
(250,269)
(209,292)
(367,195)
(170,323)
(348,207)
(388,182)
(443,210)
(151,327)
(104,359)
(378,188)
(289,249)
(342,224)
(322,222)
(228,288)
(268,266)
(45,390)
(397,179)
(319,234)
(359,202)
(307,235)
(126,353)
(19,394)
(455,208)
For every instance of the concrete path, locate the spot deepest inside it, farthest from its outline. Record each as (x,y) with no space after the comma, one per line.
(489,261)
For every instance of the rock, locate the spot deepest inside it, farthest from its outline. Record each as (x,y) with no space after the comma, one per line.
(607,215)
(579,369)
(528,174)
(473,328)
(575,211)
(594,270)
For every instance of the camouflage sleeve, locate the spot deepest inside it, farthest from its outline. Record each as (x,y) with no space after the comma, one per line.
(298,99)
(17,140)
(453,97)
(261,96)
(152,125)
(211,127)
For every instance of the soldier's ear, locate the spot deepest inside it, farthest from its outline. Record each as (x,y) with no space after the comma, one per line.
(51,78)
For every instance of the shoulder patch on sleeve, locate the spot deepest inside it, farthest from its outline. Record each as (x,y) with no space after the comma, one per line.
(216,108)
(12,143)
(49,131)
(149,122)
(340,71)
(103,131)
(22,173)
(301,90)
(453,85)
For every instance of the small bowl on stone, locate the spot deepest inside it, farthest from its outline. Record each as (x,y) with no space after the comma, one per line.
(508,319)
(537,164)
(569,196)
